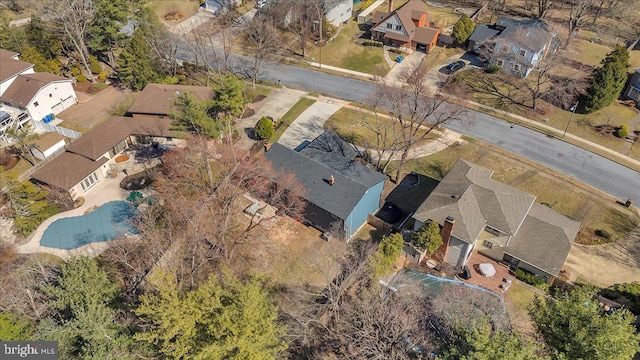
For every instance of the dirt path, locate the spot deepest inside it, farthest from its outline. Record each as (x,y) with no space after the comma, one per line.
(605,265)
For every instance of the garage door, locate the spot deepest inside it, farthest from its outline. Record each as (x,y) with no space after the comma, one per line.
(57,108)
(68,102)
(421,48)
(456,252)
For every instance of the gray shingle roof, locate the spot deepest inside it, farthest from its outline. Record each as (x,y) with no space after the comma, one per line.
(483,32)
(339,199)
(469,195)
(544,240)
(532,33)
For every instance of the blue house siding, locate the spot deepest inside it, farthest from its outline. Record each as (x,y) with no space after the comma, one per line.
(368,204)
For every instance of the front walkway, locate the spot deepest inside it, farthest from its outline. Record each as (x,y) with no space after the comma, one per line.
(105,191)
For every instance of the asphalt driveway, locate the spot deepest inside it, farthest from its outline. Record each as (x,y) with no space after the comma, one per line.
(309,125)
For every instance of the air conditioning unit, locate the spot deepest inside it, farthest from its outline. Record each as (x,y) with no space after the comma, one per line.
(326,236)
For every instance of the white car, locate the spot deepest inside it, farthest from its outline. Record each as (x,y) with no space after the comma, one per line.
(261,3)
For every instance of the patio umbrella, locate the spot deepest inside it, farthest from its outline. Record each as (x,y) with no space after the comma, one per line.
(487,270)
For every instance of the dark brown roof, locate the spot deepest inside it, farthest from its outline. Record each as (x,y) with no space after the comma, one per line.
(396,36)
(25,87)
(108,134)
(378,16)
(426,35)
(67,170)
(157,99)
(10,67)
(6,54)
(47,140)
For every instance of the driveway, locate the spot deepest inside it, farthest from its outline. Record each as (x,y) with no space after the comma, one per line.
(605,265)
(191,23)
(90,112)
(309,125)
(409,62)
(276,104)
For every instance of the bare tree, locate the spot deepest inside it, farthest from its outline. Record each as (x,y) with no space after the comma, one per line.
(414,113)
(299,17)
(543,7)
(263,41)
(578,10)
(71,18)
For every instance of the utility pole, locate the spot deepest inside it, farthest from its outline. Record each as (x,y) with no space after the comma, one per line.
(573,111)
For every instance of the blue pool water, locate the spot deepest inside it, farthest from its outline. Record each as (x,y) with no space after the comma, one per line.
(107,222)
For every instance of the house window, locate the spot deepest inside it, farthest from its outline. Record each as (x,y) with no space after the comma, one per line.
(35,103)
(505,49)
(389,26)
(89,181)
(516,67)
(634,93)
(500,63)
(523,52)
(487,244)
(398,27)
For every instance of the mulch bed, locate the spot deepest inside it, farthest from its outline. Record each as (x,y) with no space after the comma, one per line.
(8,160)
(122,158)
(87,87)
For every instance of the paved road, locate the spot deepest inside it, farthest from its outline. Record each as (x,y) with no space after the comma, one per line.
(589,168)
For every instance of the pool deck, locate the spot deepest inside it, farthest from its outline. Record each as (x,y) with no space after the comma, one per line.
(105,191)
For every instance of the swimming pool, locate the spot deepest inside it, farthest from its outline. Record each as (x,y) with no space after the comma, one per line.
(107,222)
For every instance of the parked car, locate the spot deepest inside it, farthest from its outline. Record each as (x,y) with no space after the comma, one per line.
(261,3)
(455,66)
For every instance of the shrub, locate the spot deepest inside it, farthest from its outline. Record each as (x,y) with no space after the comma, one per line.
(81,78)
(629,291)
(54,66)
(75,71)
(622,131)
(264,128)
(492,69)
(388,251)
(531,279)
(94,65)
(102,76)
(604,234)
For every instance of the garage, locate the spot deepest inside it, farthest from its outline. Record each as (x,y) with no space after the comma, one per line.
(68,102)
(57,108)
(421,48)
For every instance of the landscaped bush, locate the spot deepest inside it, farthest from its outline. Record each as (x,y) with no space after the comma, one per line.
(373,43)
(264,128)
(492,69)
(94,65)
(75,71)
(102,76)
(622,131)
(604,234)
(531,279)
(81,78)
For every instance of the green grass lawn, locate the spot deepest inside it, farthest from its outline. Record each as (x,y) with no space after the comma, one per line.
(586,52)
(634,59)
(345,53)
(291,115)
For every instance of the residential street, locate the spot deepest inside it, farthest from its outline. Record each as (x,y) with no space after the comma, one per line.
(585,166)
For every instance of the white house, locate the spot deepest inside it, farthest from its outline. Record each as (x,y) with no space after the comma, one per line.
(40,94)
(338,11)
(10,68)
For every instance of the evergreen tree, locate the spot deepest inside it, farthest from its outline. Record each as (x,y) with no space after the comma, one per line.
(221,319)
(264,128)
(462,29)
(136,64)
(388,251)
(104,30)
(192,115)
(40,64)
(428,237)
(29,204)
(11,37)
(607,81)
(14,328)
(42,39)
(576,327)
(481,344)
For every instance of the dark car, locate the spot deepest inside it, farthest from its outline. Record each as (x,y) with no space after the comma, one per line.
(455,66)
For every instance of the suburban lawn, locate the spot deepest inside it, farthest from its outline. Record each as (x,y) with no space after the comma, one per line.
(291,115)
(164,7)
(550,189)
(517,301)
(17,170)
(634,59)
(344,52)
(586,52)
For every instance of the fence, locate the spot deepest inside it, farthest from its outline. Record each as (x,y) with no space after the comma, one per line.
(379,224)
(60,130)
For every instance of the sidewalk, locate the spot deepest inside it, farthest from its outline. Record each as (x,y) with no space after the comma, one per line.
(583,143)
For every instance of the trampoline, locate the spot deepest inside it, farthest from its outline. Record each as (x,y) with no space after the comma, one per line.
(107,222)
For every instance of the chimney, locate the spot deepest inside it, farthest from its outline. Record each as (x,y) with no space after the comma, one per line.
(390,6)
(447,230)
(267,146)
(332,180)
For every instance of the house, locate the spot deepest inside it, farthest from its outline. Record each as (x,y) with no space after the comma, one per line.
(156,100)
(10,68)
(340,192)
(86,160)
(406,27)
(219,6)
(338,11)
(501,222)
(633,89)
(40,94)
(514,45)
